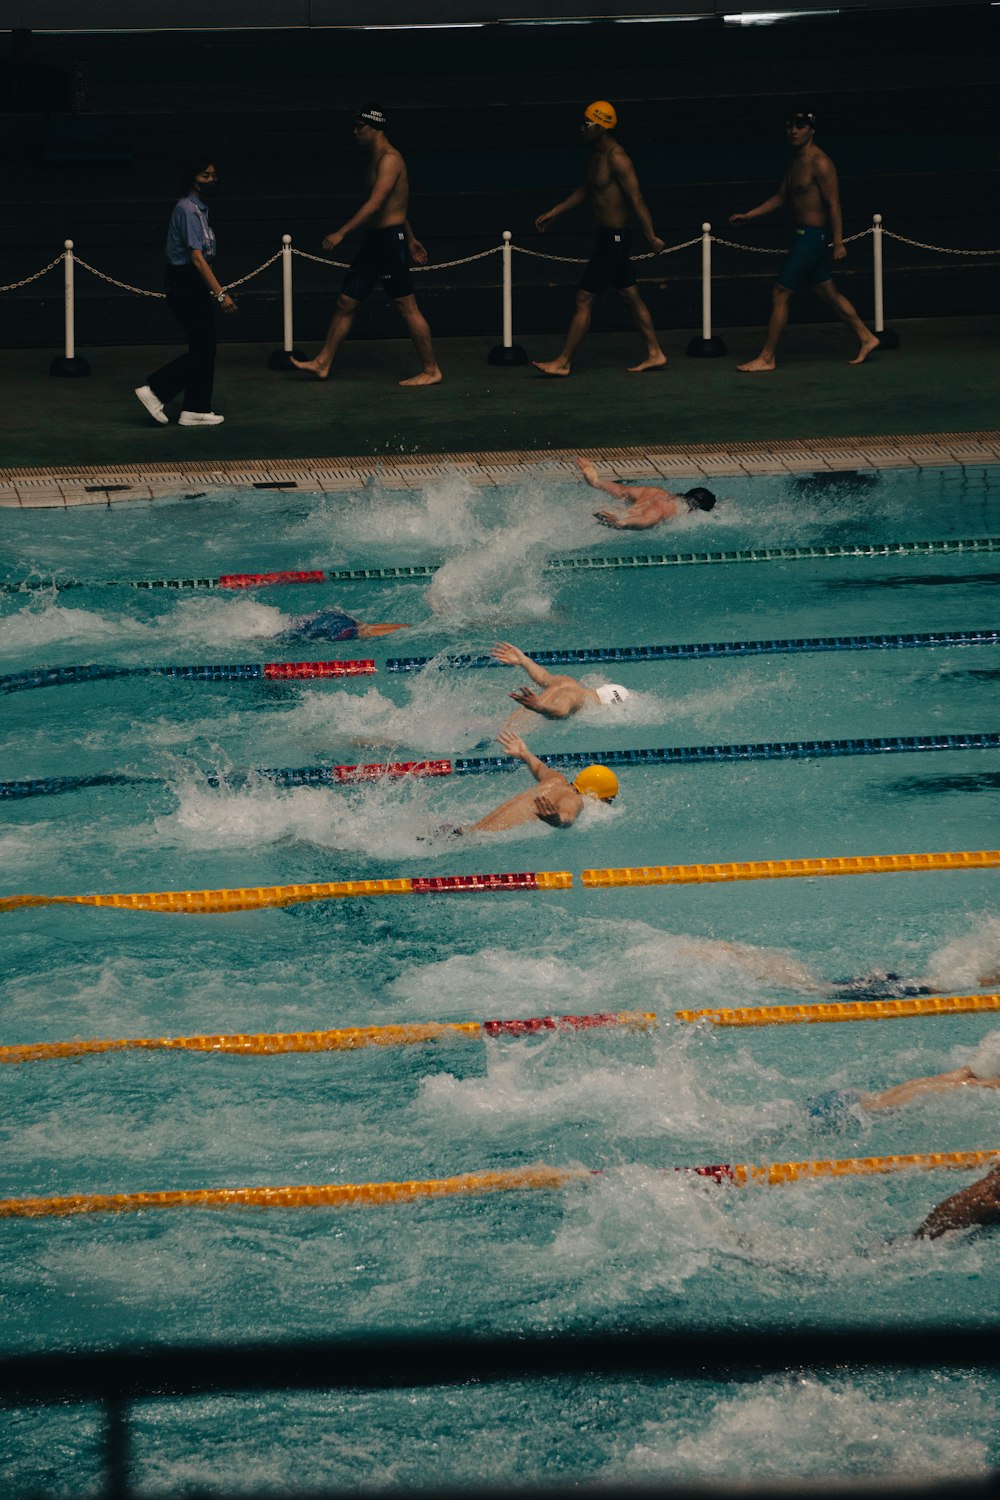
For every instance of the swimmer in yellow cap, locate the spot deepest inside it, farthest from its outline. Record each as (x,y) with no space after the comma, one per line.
(558,801)
(612,188)
(559,694)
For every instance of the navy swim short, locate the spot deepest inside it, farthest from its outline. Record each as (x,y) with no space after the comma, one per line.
(382,257)
(610,264)
(808,262)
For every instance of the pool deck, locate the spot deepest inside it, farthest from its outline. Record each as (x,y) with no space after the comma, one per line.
(931,402)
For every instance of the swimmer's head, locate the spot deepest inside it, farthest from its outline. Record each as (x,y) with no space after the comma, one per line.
(612,693)
(373,115)
(800,119)
(597,781)
(699,499)
(601,113)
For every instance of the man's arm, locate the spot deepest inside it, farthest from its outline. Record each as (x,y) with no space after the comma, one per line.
(578,196)
(515,746)
(513,656)
(624,173)
(627,522)
(829,186)
(768,206)
(978,1204)
(386,177)
(618,491)
(417,252)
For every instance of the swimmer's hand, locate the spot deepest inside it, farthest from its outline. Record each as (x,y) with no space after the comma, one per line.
(417,251)
(527,699)
(510,655)
(547,812)
(543,219)
(332,240)
(738,218)
(587,470)
(513,744)
(609,518)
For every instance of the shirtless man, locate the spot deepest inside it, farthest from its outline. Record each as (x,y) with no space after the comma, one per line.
(810,185)
(975,1205)
(612,187)
(385,253)
(936,1083)
(648,505)
(558,801)
(560,695)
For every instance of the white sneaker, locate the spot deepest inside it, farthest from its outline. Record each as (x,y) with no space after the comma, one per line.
(152,403)
(199,419)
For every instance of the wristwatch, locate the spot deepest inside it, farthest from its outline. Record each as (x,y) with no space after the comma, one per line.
(221,296)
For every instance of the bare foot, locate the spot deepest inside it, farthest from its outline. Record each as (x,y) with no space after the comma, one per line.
(869,345)
(757,366)
(311,367)
(652,362)
(426,377)
(551,366)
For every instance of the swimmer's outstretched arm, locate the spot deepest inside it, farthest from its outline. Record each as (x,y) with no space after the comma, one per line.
(609,486)
(366,632)
(978,1204)
(515,746)
(513,656)
(627,522)
(936,1083)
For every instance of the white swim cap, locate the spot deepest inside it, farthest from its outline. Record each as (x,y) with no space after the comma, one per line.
(612,692)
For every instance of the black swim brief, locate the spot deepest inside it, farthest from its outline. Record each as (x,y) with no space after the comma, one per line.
(382,257)
(610,264)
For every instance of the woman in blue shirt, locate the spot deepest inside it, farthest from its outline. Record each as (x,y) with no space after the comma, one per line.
(191,286)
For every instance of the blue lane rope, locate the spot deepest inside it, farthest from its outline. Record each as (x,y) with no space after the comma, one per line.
(586,655)
(293,776)
(58,676)
(938,548)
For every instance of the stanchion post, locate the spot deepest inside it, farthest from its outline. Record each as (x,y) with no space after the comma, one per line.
(281,358)
(507,353)
(887,339)
(69,362)
(706,347)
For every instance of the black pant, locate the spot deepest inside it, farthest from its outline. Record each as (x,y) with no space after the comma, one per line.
(190,301)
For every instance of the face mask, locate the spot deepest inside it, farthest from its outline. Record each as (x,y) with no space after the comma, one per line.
(206,189)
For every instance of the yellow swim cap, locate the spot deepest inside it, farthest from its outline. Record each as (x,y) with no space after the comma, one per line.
(601,113)
(597,781)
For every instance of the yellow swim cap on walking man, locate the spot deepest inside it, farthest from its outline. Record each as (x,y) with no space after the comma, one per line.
(597,781)
(601,113)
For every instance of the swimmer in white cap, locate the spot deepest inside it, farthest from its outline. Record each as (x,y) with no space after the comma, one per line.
(559,695)
(648,504)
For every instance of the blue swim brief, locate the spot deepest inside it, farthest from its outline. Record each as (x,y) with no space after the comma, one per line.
(808,262)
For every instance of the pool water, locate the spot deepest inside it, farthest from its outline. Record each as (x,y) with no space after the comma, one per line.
(635,1245)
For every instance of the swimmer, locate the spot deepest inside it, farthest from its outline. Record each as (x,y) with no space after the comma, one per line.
(978,1205)
(560,694)
(935,1083)
(648,505)
(335,625)
(558,801)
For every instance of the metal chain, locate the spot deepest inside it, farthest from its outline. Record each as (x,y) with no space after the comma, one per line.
(573,260)
(762,250)
(13,286)
(439,265)
(251,274)
(944,249)
(140,291)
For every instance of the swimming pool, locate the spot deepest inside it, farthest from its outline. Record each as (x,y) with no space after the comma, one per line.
(632,1245)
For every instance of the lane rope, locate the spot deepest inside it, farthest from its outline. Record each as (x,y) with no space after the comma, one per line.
(337,1195)
(942,547)
(586,655)
(257,897)
(842,1010)
(296,776)
(254,672)
(345,1039)
(786,869)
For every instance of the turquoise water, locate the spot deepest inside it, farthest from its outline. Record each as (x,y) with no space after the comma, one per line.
(632,1246)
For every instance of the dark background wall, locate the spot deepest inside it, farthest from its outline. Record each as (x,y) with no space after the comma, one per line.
(95,126)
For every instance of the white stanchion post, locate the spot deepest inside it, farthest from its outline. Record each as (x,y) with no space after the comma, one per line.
(887,339)
(281,358)
(68,363)
(706,347)
(507,352)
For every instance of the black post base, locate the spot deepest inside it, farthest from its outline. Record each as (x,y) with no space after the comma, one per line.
(281,359)
(63,366)
(887,338)
(700,348)
(504,354)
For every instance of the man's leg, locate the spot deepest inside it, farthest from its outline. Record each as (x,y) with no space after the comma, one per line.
(579,324)
(340,327)
(420,333)
(780,298)
(847,314)
(655,357)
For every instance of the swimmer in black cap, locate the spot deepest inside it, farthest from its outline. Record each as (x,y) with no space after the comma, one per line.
(648,505)
(386,251)
(810,185)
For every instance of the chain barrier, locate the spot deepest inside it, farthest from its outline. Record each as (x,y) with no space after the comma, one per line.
(13,286)
(763,250)
(943,249)
(438,265)
(575,260)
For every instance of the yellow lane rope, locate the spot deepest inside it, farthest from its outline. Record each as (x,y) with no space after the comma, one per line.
(266,1044)
(779,869)
(842,1010)
(255,897)
(335,1195)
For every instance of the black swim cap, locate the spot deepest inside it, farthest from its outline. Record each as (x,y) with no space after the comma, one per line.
(801,117)
(699,499)
(372,115)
